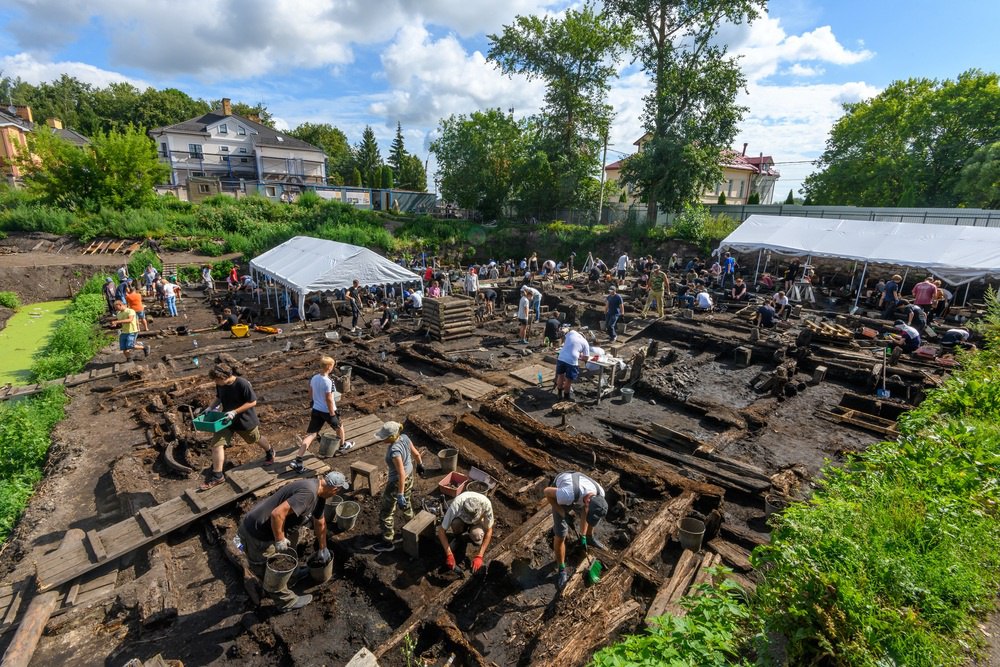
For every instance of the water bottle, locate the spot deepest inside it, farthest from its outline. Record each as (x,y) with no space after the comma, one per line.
(539,379)
(238,542)
(195,342)
(196,362)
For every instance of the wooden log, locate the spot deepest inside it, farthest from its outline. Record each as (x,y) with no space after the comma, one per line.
(29,631)
(157,598)
(736,557)
(504,444)
(676,586)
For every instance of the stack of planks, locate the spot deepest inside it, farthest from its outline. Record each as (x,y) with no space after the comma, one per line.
(448,318)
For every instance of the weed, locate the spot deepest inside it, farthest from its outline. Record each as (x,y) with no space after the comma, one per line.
(10,300)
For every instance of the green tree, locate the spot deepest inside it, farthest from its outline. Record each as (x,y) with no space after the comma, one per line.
(412,175)
(116,170)
(753,199)
(575,56)
(979,184)
(397,152)
(914,137)
(477,155)
(690,113)
(790,199)
(356,178)
(334,144)
(722,198)
(368,158)
(386,177)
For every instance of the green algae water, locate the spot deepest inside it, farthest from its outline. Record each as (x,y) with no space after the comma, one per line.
(25,334)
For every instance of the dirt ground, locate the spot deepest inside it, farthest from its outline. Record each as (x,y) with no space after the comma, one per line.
(109,457)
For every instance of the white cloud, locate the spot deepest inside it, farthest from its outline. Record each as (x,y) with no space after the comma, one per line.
(804,71)
(35,71)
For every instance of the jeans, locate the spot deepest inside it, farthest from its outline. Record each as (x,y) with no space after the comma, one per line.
(727,277)
(612,321)
(536,305)
(172,305)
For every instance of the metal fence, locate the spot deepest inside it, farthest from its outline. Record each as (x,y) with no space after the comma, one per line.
(970,217)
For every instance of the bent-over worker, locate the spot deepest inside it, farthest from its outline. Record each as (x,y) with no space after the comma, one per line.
(398,491)
(574,491)
(469,519)
(272,526)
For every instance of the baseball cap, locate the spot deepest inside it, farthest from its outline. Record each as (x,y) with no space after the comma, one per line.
(109,279)
(597,510)
(335,478)
(898,323)
(389,430)
(612,289)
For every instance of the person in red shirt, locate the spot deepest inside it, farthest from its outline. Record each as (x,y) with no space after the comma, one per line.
(924,293)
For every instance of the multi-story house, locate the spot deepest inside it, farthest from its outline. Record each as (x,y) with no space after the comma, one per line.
(16,122)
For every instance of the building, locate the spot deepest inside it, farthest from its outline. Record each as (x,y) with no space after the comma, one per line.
(240,153)
(741,176)
(15,124)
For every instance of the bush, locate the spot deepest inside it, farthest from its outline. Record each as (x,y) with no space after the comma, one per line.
(94,285)
(10,300)
(25,217)
(140,260)
(74,342)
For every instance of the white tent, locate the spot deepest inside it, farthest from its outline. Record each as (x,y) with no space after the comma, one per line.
(304,264)
(956,254)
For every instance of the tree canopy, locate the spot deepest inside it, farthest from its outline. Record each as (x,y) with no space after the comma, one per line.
(910,144)
(334,144)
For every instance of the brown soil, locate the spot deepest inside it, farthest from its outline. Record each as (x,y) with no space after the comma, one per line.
(501,616)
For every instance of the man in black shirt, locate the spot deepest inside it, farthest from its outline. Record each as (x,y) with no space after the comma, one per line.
(228,319)
(235,396)
(272,527)
(765,316)
(551,334)
(354,297)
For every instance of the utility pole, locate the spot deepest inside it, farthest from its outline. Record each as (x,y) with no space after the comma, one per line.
(604,159)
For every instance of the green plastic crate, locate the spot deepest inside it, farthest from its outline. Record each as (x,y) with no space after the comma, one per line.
(211,422)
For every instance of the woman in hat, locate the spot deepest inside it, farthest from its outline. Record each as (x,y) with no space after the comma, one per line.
(398,491)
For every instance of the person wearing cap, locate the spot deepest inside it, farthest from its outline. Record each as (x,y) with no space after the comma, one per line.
(523,316)
(129,331)
(613,311)
(323,411)
(574,491)
(109,294)
(957,337)
(659,287)
(469,519)
(890,295)
(575,347)
(272,526)
(908,337)
(398,491)
(235,396)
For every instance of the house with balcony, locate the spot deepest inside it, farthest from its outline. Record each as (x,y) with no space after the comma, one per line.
(239,155)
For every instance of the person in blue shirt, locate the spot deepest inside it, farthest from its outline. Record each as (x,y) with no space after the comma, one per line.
(728,270)
(890,296)
(613,312)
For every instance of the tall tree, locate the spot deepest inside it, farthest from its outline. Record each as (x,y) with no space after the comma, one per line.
(477,155)
(979,183)
(576,58)
(368,158)
(912,139)
(412,175)
(397,152)
(790,199)
(334,144)
(690,113)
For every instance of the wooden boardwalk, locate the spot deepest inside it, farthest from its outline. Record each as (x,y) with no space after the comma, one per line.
(470,388)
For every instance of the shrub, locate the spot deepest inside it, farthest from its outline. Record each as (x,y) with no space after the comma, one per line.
(10,300)
(140,260)
(35,218)
(75,340)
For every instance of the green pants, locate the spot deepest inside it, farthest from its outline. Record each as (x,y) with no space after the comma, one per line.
(387,510)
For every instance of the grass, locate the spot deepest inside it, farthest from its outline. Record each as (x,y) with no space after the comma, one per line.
(10,300)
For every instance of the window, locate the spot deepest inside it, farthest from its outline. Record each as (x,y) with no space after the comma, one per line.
(204,189)
(244,160)
(240,130)
(163,149)
(225,149)
(194,150)
(741,188)
(223,129)
(243,150)
(271,191)
(730,192)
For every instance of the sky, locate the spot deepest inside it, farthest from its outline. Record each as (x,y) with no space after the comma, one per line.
(353,63)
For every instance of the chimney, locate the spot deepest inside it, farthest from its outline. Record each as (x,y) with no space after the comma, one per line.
(227,108)
(24,113)
(54,123)
(745,144)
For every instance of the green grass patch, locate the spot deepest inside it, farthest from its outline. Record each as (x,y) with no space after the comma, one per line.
(10,300)
(74,342)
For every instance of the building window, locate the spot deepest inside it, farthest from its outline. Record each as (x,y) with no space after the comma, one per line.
(271,191)
(223,129)
(729,193)
(204,189)
(243,150)
(224,149)
(194,150)
(240,130)
(741,188)
(163,149)
(244,160)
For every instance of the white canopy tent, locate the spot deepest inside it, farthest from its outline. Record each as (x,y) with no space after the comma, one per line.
(304,264)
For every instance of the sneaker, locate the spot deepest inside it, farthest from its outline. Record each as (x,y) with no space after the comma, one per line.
(211,482)
(269,457)
(563,579)
(346,447)
(297,466)
(384,546)
(596,542)
(145,351)
(300,602)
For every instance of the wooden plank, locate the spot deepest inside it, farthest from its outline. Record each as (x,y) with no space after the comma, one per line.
(529,374)
(14,600)
(737,557)
(194,499)
(674,587)
(96,546)
(471,388)
(148,522)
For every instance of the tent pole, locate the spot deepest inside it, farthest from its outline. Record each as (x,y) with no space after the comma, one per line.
(861,286)
(808,263)
(767,260)
(905,273)
(288,307)
(267,293)
(756,271)
(968,285)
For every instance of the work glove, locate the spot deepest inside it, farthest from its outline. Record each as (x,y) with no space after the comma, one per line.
(420,468)
(583,541)
(282,545)
(231,415)
(477,563)
(323,556)
(449,561)
(401,501)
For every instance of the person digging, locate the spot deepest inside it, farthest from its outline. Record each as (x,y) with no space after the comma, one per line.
(469,519)
(323,411)
(398,491)
(272,527)
(574,491)
(236,397)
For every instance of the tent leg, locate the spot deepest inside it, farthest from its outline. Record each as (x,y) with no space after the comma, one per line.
(288,307)
(756,271)
(903,282)
(861,286)
(968,285)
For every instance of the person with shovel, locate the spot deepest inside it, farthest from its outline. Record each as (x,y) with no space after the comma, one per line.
(324,411)
(469,519)
(272,527)
(574,491)
(398,491)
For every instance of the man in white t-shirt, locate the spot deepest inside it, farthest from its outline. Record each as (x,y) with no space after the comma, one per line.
(622,266)
(574,491)
(523,315)
(575,347)
(703,301)
(324,411)
(469,519)
(536,301)
(414,302)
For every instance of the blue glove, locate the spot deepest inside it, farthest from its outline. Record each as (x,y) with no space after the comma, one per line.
(401,501)
(323,556)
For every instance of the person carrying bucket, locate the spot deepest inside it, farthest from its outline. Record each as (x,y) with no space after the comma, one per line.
(574,491)
(323,411)
(272,526)
(398,491)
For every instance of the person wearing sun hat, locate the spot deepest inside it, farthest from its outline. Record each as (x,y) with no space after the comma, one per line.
(398,491)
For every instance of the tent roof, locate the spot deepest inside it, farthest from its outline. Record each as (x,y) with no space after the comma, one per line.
(305,264)
(957,254)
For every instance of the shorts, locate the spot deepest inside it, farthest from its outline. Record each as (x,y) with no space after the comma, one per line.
(559,524)
(621,275)
(523,321)
(317,418)
(571,371)
(251,437)
(126,341)
(140,314)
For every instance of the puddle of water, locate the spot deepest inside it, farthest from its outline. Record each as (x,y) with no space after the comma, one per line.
(25,334)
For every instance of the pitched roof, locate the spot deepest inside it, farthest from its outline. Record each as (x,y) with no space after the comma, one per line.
(263,135)
(614,165)
(12,119)
(69,135)
(733,160)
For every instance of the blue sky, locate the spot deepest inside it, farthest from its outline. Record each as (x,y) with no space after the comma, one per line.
(352,63)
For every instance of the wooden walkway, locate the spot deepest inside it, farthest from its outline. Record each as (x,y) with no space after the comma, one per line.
(529,374)
(470,388)
(10,391)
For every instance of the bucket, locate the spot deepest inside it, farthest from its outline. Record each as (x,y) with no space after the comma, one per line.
(774,503)
(690,533)
(627,395)
(883,393)
(328,446)
(332,336)
(477,486)
(345,379)
(330,513)
(347,514)
(321,572)
(448,459)
(279,570)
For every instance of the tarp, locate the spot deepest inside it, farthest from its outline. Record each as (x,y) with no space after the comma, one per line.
(304,264)
(956,254)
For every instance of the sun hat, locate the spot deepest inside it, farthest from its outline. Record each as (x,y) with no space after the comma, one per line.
(389,430)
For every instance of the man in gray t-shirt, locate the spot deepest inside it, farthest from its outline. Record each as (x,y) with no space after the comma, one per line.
(398,491)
